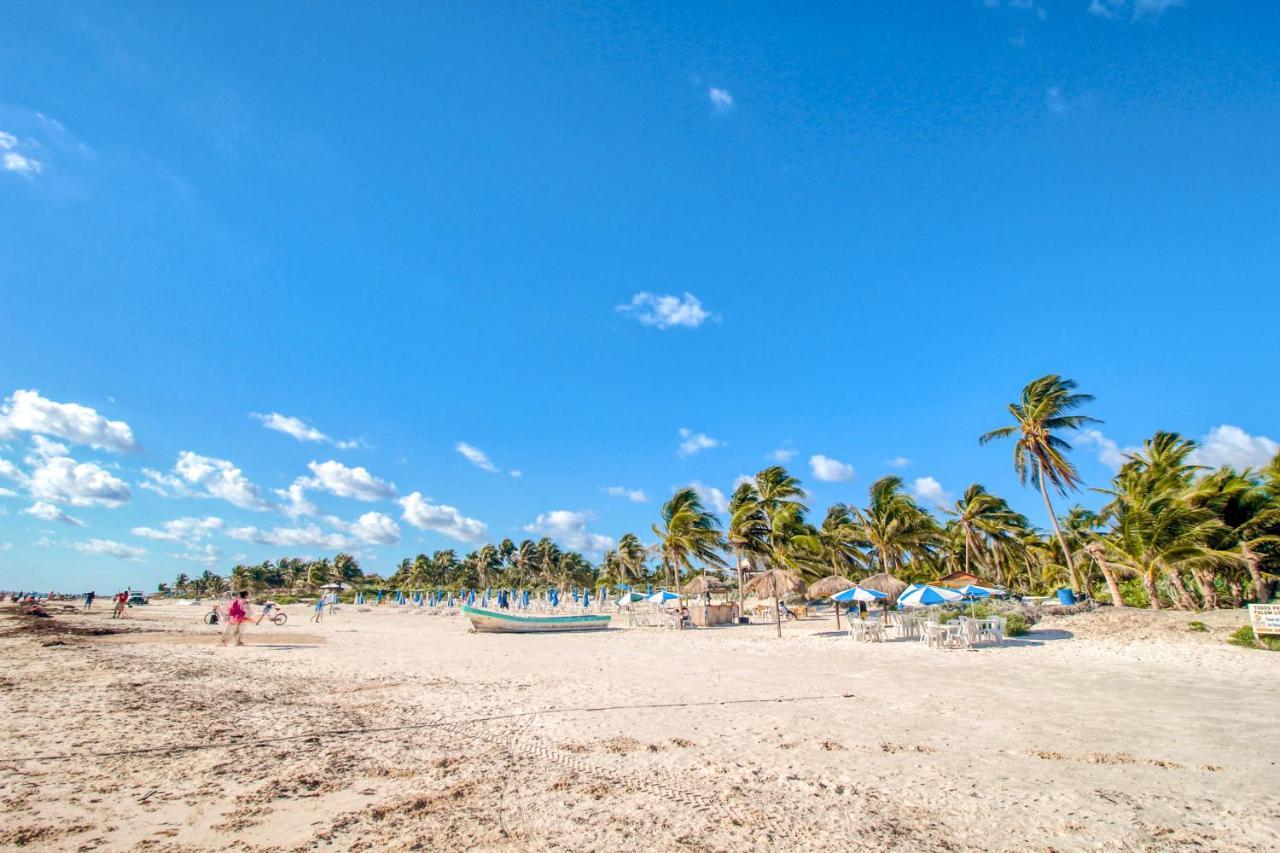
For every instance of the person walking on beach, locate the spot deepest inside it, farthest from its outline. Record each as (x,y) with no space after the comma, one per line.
(319,609)
(121,600)
(237,614)
(88,600)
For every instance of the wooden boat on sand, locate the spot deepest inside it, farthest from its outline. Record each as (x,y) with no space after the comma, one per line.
(502,622)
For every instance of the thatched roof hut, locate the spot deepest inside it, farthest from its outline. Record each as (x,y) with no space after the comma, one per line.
(886,583)
(775,584)
(829,586)
(704,584)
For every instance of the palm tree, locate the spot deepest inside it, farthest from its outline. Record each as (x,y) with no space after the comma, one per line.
(979,513)
(1163,535)
(631,557)
(688,532)
(1250,517)
(1040,453)
(838,536)
(893,524)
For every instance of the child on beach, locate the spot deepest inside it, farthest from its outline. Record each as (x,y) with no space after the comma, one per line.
(319,611)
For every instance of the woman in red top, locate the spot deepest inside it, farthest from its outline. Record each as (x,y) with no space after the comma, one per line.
(237,615)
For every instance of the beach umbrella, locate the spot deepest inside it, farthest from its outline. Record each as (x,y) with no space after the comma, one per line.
(662,596)
(858,594)
(630,598)
(973,592)
(703,584)
(886,583)
(774,584)
(927,595)
(586,598)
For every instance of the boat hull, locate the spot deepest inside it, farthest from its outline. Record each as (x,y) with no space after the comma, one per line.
(495,622)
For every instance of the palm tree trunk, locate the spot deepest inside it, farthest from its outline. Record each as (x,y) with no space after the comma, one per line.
(1108,574)
(777,617)
(1208,590)
(1153,595)
(1261,587)
(1185,601)
(1062,540)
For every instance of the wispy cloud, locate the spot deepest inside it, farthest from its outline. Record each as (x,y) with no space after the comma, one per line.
(49,512)
(108,548)
(711,496)
(301,430)
(13,160)
(307,536)
(348,482)
(1134,11)
(476,457)
(782,455)
(633,495)
(897,462)
(695,442)
(188,530)
(665,312)
(721,100)
(1109,452)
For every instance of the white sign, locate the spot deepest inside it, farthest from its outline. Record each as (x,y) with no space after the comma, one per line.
(1265,619)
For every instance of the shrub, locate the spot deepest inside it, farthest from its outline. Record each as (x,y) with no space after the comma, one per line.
(1016,625)
(1132,594)
(1199,627)
(1245,637)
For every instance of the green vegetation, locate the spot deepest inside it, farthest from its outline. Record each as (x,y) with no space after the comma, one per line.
(1198,627)
(1172,533)
(1245,637)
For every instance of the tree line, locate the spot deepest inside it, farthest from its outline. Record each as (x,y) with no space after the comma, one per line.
(1170,533)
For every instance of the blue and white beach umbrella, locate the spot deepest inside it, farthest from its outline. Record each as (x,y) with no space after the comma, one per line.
(857,593)
(974,591)
(586,598)
(927,595)
(662,596)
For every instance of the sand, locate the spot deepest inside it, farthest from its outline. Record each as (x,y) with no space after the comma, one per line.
(389,730)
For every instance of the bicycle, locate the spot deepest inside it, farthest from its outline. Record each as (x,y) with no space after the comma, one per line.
(272,613)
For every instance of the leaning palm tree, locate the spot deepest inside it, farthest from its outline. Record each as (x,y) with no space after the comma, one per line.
(775,584)
(688,532)
(1251,521)
(1040,452)
(979,514)
(840,544)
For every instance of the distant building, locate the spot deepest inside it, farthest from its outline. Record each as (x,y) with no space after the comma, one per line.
(959,579)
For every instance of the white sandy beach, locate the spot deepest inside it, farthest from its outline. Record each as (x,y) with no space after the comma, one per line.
(391,730)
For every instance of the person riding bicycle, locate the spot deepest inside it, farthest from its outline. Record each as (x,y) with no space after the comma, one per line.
(267,609)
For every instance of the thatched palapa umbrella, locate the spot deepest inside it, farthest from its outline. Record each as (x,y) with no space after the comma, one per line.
(774,584)
(704,584)
(828,587)
(886,583)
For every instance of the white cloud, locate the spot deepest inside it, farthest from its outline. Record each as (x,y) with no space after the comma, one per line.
(105,547)
(633,495)
(743,478)
(782,455)
(929,489)
(370,528)
(515,473)
(1230,445)
(307,536)
(695,442)
(301,430)
(1109,452)
(205,477)
(440,518)
(898,462)
(476,457)
(357,482)
(663,312)
(1115,9)
(49,512)
(8,141)
(7,493)
(207,554)
(830,470)
(12,161)
(181,529)
(721,100)
(569,528)
(296,500)
(63,479)
(711,496)
(1031,6)
(27,411)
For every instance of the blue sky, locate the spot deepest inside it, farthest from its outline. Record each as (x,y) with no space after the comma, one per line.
(850,234)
